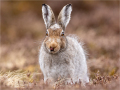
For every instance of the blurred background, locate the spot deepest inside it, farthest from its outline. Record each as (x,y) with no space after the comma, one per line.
(96,23)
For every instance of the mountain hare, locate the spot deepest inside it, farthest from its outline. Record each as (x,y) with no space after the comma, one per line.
(61,57)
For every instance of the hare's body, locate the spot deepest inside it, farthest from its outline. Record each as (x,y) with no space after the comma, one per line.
(61,57)
(68,64)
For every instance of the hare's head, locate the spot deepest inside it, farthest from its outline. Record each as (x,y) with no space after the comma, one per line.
(55,40)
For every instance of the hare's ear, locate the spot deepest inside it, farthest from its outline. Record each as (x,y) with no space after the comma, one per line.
(64,16)
(48,15)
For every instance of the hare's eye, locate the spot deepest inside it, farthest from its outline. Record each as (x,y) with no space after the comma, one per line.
(46,33)
(62,34)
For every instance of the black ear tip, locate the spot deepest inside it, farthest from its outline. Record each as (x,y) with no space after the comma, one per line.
(69,4)
(43,4)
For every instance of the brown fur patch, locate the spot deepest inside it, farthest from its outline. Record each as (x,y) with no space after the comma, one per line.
(55,40)
(56,32)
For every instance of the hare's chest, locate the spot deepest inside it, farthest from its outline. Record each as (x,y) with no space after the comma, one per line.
(59,62)
(60,68)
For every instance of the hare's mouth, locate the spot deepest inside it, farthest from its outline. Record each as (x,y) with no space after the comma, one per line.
(52,50)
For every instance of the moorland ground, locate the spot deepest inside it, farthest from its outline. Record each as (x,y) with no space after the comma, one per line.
(22,31)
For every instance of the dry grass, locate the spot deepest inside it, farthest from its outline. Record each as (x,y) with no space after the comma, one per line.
(26,80)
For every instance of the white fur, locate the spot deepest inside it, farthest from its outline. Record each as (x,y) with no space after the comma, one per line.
(70,63)
(66,15)
(47,18)
(58,40)
(49,39)
(55,26)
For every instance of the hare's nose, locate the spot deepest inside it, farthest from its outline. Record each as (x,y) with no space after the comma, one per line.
(51,48)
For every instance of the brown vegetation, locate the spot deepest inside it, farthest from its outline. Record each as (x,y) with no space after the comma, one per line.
(22,31)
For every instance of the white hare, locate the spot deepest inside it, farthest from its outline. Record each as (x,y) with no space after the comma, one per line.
(61,56)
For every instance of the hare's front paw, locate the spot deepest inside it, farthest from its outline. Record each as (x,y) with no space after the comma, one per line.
(48,80)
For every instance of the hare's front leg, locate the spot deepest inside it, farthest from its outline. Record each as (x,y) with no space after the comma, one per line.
(48,80)
(71,70)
